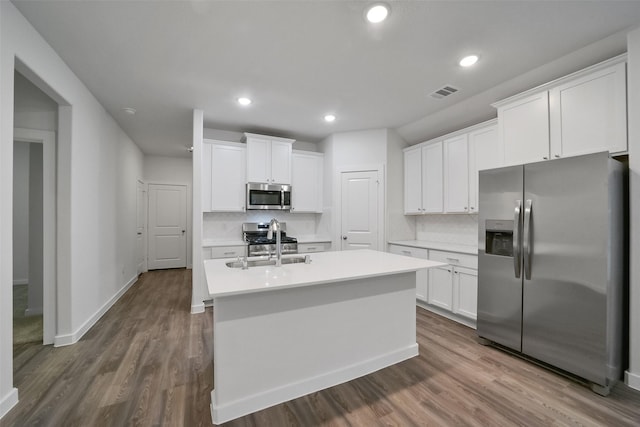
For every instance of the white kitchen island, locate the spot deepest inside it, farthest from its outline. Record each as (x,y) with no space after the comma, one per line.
(283,332)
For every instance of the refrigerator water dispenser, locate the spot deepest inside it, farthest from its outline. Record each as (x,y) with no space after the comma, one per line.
(499,237)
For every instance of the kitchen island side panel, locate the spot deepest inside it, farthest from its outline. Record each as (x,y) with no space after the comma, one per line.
(271,347)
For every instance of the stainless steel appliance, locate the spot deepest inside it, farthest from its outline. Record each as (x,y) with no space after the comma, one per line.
(268,196)
(551,264)
(255,234)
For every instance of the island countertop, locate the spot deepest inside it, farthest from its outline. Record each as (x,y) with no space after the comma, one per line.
(325,267)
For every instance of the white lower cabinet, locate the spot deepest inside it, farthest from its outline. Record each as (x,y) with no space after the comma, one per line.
(455,287)
(422,276)
(440,289)
(465,292)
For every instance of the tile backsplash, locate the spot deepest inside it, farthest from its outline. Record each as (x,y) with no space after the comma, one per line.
(454,229)
(228,225)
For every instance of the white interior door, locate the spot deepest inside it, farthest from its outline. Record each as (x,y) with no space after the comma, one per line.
(359,191)
(141,220)
(167,226)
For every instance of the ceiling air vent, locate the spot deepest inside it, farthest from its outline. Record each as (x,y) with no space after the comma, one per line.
(443,91)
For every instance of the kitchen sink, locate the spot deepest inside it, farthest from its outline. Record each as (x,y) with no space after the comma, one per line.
(265,262)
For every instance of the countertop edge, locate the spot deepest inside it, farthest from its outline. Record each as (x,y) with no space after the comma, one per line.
(423,244)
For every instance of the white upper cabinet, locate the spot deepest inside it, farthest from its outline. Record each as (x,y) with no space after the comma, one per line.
(441,176)
(423,179)
(582,113)
(268,159)
(588,114)
(484,153)
(306,182)
(524,129)
(223,176)
(432,179)
(413,181)
(456,178)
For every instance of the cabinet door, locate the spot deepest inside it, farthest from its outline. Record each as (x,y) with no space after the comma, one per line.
(413,181)
(206,176)
(280,162)
(306,183)
(524,129)
(432,185)
(465,287)
(440,291)
(228,178)
(258,160)
(589,114)
(484,153)
(422,276)
(456,178)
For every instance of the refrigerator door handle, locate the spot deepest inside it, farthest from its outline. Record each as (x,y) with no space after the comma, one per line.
(526,239)
(517,254)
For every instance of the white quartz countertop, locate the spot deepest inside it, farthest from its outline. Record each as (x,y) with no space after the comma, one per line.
(452,247)
(325,267)
(312,239)
(217,243)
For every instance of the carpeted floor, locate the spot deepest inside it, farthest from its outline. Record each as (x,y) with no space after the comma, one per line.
(26,329)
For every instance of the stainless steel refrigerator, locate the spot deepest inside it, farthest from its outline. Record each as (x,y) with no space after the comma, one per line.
(551,264)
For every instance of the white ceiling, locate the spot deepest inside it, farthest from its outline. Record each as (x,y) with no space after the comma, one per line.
(299,60)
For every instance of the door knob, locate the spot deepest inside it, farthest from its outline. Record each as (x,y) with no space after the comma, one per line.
(344,237)
(183,231)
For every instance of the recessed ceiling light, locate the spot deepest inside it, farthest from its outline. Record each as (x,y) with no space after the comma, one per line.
(329,118)
(468,61)
(377,13)
(244,101)
(129,110)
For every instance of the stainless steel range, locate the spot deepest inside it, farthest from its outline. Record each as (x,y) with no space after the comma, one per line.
(255,234)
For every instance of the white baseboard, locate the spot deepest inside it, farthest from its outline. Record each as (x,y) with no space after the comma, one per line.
(197,308)
(68,339)
(33,311)
(8,402)
(267,398)
(632,380)
(20,282)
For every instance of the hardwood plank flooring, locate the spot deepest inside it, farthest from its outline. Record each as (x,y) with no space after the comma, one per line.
(148,362)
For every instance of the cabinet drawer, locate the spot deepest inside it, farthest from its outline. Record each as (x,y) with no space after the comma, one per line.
(305,248)
(454,258)
(227,251)
(408,251)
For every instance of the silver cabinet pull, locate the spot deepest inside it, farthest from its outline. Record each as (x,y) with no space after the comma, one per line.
(453,259)
(526,243)
(517,255)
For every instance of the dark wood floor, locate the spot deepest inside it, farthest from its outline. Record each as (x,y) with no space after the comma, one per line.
(148,362)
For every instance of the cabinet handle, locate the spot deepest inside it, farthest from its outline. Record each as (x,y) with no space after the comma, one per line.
(311,248)
(229,253)
(407,253)
(545,158)
(453,259)
(557,155)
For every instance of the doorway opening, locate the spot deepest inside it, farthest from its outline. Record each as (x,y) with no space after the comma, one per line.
(34,218)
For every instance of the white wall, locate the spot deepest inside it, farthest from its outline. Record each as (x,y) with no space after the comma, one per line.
(21,213)
(96,197)
(173,170)
(359,149)
(33,109)
(632,376)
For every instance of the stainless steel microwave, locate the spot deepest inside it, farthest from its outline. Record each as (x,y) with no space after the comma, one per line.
(268,196)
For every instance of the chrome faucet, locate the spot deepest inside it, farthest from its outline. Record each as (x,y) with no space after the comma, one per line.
(274,225)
